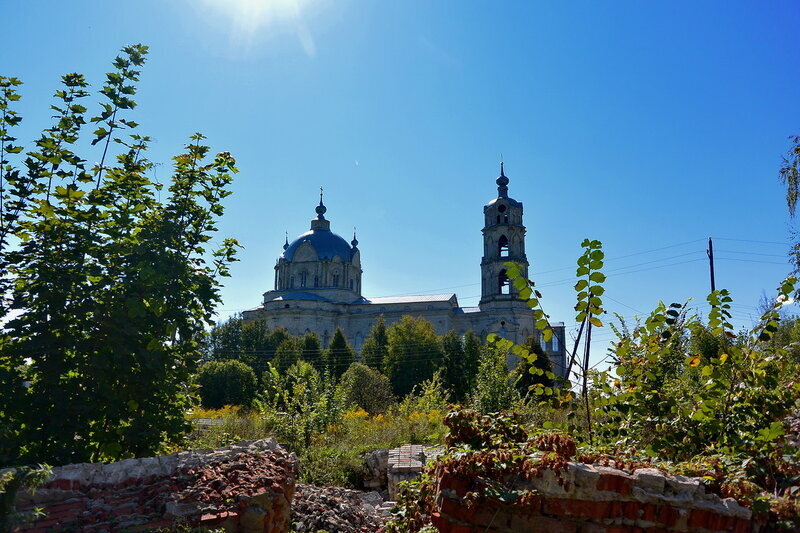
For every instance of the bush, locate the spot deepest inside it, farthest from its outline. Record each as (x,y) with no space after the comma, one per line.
(226,383)
(493,389)
(364,387)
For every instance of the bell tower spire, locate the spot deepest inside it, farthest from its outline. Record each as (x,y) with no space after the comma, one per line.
(503,241)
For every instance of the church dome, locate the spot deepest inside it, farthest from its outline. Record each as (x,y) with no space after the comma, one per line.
(325,242)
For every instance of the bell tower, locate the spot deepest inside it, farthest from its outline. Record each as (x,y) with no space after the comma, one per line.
(503,241)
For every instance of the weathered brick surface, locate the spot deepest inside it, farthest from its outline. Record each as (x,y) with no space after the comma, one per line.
(589,499)
(246,487)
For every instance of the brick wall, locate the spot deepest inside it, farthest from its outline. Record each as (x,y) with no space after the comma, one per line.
(246,487)
(588,499)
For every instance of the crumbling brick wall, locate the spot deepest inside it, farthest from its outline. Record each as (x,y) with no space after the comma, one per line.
(589,499)
(245,487)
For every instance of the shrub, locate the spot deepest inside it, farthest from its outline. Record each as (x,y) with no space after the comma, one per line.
(364,387)
(226,383)
(493,389)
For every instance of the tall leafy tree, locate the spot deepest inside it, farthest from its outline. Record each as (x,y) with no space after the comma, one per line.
(376,345)
(311,351)
(414,353)
(473,348)
(454,366)
(339,355)
(113,285)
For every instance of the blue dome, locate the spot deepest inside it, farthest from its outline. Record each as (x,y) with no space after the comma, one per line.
(325,242)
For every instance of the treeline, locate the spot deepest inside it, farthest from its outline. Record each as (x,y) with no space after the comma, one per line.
(405,354)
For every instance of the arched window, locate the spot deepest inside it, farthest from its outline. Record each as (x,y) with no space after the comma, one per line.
(303,278)
(502,246)
(504,285)
(556,346)
(316,281)
(505,219)
(498,219)
(291,282)
(351,284)
(336,280)
(543,344)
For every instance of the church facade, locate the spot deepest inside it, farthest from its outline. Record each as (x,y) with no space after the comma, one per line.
(318,287)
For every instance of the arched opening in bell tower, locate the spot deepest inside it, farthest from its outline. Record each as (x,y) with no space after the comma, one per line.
(502,246)
(504,285)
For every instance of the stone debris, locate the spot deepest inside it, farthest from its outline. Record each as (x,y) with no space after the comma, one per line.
(336,510)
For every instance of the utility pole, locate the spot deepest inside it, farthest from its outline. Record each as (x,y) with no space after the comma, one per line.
(710,253)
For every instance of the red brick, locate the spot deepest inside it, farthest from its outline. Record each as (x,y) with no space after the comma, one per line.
(577,508)
(615,482)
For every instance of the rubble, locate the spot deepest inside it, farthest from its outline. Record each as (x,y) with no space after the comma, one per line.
(337,509)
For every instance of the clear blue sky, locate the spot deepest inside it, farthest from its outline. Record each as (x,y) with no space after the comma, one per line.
(640,124)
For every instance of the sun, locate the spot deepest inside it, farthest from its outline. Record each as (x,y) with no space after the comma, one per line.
(248,18)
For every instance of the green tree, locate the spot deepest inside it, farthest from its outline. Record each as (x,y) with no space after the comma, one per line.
(287,353)
(113,284)
(454,366)
(311,350)
(365,387)
(226,383)
(473,348)
(414,353)
(494,391)
(376,345)
(532,371)
(339,355)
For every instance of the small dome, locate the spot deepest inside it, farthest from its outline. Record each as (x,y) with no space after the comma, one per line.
(325,242)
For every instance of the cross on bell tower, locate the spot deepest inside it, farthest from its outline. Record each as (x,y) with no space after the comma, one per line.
(503,241)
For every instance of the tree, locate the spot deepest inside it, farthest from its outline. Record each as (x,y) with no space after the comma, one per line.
(376,345)
(112,284)
(493,389)
(473,349)
(311,350)
(537,369)
(414,353)
(454,371)
(339,355)
(288,353)
(365,387)
(226,383)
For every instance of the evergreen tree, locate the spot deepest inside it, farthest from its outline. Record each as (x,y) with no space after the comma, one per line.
(454,372)
(287,353)
(473,349)
(414,353)
(376,345)
(493,389)
(311,350)
(339,355)
(526,374)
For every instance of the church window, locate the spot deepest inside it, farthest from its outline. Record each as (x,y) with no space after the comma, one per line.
(502,209)
(303,277)
(336,280)
(505,219)
(498,219)
(556,347)
(503,283)
(502,246)
(351,284)
(316,281)
(291,282)
(543,344)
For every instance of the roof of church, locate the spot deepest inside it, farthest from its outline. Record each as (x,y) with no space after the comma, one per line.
(409,299)
(325,242)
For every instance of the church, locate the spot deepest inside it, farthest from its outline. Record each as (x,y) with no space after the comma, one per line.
(318,287)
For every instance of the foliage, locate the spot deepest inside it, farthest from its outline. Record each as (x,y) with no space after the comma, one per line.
(226,383)
(311,351)
(112,284)
(494,390)
(296,403)
(12,480)
(414,353)
(376,346)
(364,387)
(533,373)
(455,366)
(339,355)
